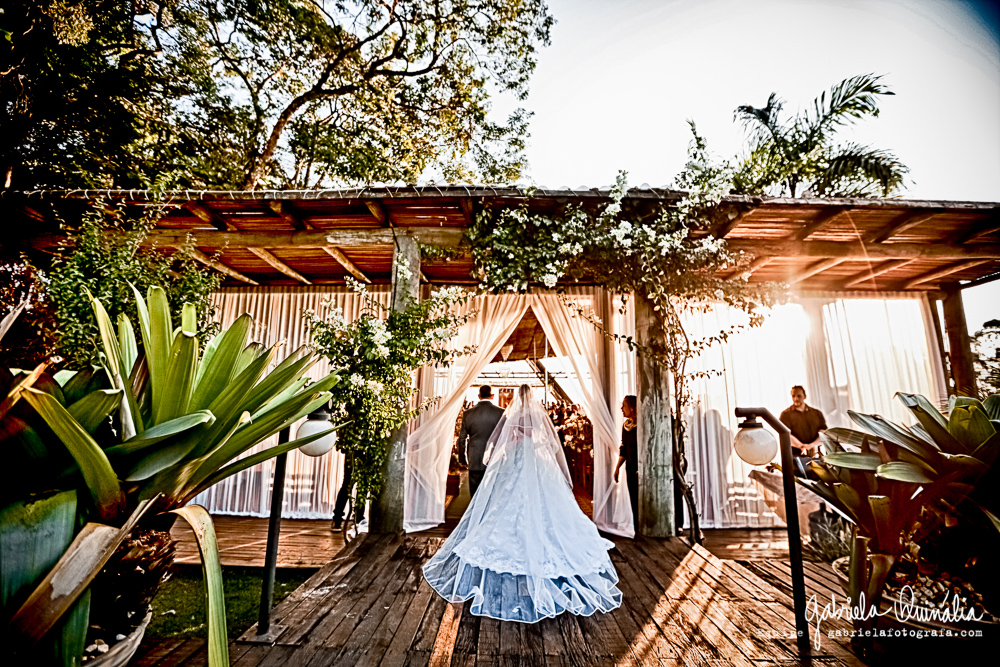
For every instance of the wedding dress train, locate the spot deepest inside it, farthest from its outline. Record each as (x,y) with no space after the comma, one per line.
(523,550)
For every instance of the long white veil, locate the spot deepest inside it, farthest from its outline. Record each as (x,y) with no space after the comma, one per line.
(525,423)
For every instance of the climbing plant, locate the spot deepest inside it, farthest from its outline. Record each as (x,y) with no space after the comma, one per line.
(658,260)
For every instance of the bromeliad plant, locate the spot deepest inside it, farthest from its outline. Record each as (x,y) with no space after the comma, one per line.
(892,482)
(181,420)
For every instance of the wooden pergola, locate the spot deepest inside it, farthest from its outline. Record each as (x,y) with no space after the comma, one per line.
(927,248)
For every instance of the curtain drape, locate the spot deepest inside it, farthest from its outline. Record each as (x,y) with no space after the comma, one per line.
(311,484)
(849,353)
(429,446)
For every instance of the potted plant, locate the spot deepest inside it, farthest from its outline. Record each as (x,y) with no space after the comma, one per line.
(181,418)
(902,488)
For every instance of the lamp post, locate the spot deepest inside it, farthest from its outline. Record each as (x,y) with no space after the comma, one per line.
(756,446)
(316,422)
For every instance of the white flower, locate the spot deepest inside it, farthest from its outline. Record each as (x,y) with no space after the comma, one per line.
(550,280)
(356,380)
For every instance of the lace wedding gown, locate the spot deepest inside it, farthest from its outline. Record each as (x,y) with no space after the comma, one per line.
(523,550)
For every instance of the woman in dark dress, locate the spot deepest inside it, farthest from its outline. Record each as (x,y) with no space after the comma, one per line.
(628,454)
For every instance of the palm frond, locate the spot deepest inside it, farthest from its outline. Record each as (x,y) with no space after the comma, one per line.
(859,171)
(762,124)
(846,102)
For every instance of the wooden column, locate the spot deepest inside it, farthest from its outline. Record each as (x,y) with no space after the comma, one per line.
(656,455)
(959,344)
(387,510)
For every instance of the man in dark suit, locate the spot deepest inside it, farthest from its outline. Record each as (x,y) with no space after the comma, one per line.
(478,423)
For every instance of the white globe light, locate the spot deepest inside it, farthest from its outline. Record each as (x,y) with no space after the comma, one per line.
(317,422)
(756,446)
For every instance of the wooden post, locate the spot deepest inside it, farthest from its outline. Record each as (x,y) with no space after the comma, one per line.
(959,344)
(656,455)
(387,510)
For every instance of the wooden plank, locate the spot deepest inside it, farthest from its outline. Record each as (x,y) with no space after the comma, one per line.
(906,221)
(822,220)
(213,263)
(284,209)
(340,238)
(885,267)
(406,633)
(943,272)
(345,262)
(205,214)
(277,264)
(378,213)
(151,651)
(818,267)
(824,249)
(754,265)
(444,644)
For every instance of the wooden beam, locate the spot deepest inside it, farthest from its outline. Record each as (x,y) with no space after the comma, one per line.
(444,236)
(959,344)
(725,228)
(754,265)
(468,210)
(941,273)
(857,250)
(885,267)
(348,265)
(906,221)
(822,220)
(378,212)
(206,214)
(284,209)
(220,267)
(279,265)
(966,236)
(818,267)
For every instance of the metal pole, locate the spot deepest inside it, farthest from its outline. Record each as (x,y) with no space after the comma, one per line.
(791,519)
(273,533)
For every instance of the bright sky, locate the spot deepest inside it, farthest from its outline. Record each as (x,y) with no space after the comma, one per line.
(615,88)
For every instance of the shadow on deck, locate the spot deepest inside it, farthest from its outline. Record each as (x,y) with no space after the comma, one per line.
(371,606)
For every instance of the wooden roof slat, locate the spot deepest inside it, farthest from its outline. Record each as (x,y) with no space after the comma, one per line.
(379,213)
(907,220)
(821,221)
(220,267)
(276,263)
(284,209)
(826,249)
(448,236)
(941,273)
(754,265)
(972,234)
(723,229)
(205,214)
(871,274)
(818,267)
(348,265)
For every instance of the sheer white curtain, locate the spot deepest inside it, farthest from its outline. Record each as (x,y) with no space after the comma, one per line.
(311,483)
(595,379)
(849,353)
(429,446)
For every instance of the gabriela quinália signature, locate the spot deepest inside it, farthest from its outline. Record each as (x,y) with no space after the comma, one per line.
(905,608)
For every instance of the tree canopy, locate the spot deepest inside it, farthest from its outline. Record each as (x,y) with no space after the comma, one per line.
(264,93)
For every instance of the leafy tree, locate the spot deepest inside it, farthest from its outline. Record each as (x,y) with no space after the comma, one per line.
(801,155)
(265,93)
(986,353)
(81,96)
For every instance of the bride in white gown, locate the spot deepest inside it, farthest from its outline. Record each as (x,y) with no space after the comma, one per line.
(523,550)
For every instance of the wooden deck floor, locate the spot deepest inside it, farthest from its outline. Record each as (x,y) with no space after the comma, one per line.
(682,606)
(242,541)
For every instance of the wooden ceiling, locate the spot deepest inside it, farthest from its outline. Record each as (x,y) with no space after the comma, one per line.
(321,237)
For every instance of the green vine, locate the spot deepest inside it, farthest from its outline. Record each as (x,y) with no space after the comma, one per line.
(656,260)
(378,354)
(102,255)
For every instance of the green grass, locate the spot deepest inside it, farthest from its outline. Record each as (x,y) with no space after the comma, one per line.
(179,607)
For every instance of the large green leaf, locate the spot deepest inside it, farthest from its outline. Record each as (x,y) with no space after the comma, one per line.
(989,450)
(249,353)
(970,426)
(22,385)
(254,459)
(161,432)
(888,431)
(174,399)
(102,482)
(201,524)
(218,365)
(854,460)
(886,531)
(127,344)
(86,556)
(94,408)
(902,471)
(118,371)
(83,382)
(159,342)
(991,405)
